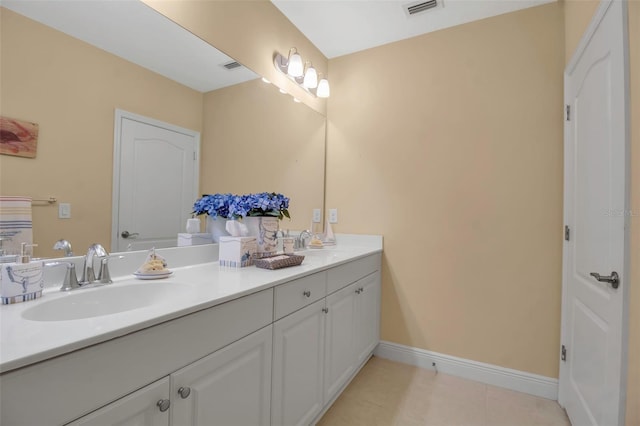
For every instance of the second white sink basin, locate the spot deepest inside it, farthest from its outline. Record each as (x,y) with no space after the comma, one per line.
(106,300)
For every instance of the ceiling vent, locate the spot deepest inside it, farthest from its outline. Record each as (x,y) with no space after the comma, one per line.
(413,9)
(232,65)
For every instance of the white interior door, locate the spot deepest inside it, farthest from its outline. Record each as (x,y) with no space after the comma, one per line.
(155,182)
(594,315)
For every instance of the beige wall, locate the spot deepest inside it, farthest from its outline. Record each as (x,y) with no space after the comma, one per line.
(578,15)
(451,145)
(250,31)
(287,147)
(71,90)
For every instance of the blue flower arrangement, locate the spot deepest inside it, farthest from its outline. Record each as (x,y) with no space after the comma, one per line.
(230,206)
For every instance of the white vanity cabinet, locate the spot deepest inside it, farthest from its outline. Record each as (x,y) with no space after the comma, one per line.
(230,387)
(298,365)
(367,316)
(340,339)
(353,324)
(319,348)
(65,388)
(148,406)
(278,356)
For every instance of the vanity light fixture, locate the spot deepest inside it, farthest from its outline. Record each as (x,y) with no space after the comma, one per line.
(295,67)
(323,90)
(307,77)
(310,78)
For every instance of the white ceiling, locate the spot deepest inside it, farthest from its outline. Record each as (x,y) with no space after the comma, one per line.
(340,27)
(132,30)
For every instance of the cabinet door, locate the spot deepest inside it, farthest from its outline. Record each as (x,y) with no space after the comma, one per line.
(137,409)
(298,356)
(367,316)
(230,387)
(340,339)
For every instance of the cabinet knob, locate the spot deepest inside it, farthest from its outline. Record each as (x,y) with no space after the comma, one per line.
(325,310)
(306,293)
(357,291)
(163,405)
(184,392)
(361,289)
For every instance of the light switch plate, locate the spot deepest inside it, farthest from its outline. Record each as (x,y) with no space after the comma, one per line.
(317,217)
(64,211)
(333,215)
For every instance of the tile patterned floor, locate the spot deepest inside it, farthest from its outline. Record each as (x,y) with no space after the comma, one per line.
(387,393)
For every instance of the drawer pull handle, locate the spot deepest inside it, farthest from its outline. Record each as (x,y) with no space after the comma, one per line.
(361,289)
(325,310)
(163,405)
(184,392)
(357,291)
(306,293)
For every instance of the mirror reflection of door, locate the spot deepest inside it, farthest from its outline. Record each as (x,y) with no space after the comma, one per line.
(155,182)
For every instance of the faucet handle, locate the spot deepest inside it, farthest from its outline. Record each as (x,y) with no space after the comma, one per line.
(88,276)
(103,275)
(70,281)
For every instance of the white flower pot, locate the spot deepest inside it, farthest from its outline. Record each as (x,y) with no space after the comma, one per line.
(216,227)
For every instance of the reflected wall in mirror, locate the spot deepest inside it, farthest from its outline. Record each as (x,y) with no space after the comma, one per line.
(252,137)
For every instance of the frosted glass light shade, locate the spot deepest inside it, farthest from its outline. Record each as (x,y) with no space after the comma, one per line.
(310,78)
(295,68)
(323,90)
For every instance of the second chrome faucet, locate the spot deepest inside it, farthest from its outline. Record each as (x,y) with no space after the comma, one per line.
(71,282)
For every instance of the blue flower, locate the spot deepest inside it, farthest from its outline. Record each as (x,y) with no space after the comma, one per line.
(229,206)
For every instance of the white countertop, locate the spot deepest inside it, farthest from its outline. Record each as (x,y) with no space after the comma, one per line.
(23,342)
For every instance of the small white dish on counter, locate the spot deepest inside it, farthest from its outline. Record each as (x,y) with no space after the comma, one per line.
(155,275)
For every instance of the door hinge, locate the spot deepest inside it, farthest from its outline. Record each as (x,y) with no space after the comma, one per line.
(194,156)
(567,233)
(568,111)
(563,356)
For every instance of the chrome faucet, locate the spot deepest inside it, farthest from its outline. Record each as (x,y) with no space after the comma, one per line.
(281,234)
(70,281)
(63,245)
(88,274)
(301,241)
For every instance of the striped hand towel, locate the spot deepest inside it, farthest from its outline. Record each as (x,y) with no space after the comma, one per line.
(15,223)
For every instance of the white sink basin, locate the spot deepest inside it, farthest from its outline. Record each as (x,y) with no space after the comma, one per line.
(106,300)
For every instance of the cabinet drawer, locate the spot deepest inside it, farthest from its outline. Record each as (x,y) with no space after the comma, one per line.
(299,293)
(343,275)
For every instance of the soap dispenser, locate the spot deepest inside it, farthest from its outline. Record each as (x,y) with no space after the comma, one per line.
(22,280)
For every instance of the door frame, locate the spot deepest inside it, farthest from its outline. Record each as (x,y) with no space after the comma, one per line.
(624,287)
(117,143)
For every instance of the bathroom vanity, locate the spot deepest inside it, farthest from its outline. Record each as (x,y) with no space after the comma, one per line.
(208,346)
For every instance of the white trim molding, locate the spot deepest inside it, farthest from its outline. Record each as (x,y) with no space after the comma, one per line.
(545,387)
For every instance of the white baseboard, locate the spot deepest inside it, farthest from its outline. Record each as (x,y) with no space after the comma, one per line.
(521,381)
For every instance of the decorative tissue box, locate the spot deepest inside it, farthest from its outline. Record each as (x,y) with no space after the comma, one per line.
(237,252)
(20,282)
(194,239)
